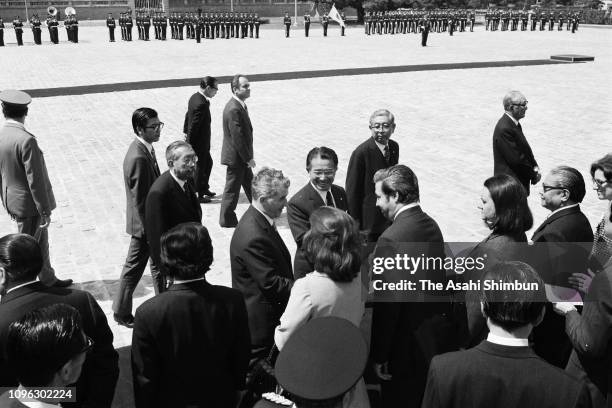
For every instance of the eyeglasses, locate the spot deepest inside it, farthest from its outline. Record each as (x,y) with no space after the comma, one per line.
(600,183)
(157,126)
(377,126)
(191,160)
(546,188)
(524,104)
(88,346)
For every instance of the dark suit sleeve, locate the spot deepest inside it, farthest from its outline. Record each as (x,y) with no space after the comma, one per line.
(103,362)
(355,175)
(33,165)
(299,222)
(590,333)
(139,185)
(155,225)
(186,124)
(431,398)
(241,349)
(193,128)
(262,267)
(146,364)
(242,144)
(517,158)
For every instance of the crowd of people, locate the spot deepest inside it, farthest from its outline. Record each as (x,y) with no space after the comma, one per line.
(413,21)
(197,344)
(509,20)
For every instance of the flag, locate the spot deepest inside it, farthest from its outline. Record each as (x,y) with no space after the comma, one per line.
(334,15)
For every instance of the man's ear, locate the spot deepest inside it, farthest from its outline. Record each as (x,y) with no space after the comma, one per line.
(482,309)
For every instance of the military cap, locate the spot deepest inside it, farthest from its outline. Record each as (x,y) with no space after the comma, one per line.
(14,97)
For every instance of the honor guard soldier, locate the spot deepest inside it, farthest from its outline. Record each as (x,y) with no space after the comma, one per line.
(146,24)
(367,22)
(472,20)
(251,25)
(36,30)
(287,22)
(110,23)
(187,20)
(68,27)
(543,19)
(325,22)
(129,23)
(560,23)
(138,21)
(180,23)
(18,26)
(163,25)
(244,22)
(75,28)
(236,21)
(534,21)
(306,24)
(199,27)
(342,26)
(227,25)
(1,32)
(551,21)
(53,25)
(257,22)
(524,20)
(424,27)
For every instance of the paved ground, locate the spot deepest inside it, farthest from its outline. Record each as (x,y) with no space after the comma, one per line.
(444,120)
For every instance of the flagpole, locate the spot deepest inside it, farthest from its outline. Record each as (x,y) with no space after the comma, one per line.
(295,23)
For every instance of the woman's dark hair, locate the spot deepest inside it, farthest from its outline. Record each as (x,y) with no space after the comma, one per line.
(512,214)
(187,251)
(605,165)
(332,244)
(20,256)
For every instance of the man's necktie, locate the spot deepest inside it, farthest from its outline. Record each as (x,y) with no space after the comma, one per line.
(189,191)
(387,154)
(154,160)
(519,126)
(329,201)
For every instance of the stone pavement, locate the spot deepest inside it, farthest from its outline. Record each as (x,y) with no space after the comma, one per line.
(444,121)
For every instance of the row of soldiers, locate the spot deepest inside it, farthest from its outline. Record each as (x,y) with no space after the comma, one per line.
(197,26)
(71,23)
(323,18)
(412,21)
(509,20)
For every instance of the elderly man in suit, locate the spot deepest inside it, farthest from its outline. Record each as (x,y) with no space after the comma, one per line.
(197,132)
(511,152)
(562,243)
(321,165)
(20,261)
(172,199)
(378,152)
(25,188)
(191,343)
(261,263)
(140,169)
(237,150)
(407,333)
(503,371)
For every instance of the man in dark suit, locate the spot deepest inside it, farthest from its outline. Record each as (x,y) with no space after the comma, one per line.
(261,263)
(511,152)
(321,165)
(191,343)
(20,262)
(503,371)
(562,244)
(25,188)
(407,332)
(197,132)
(378,152)
(140,169)
(172,199)
(237,150)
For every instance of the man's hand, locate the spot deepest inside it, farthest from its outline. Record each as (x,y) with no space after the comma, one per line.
(563,308)
(581,281)
(45,221)
(251,163)
(382,371)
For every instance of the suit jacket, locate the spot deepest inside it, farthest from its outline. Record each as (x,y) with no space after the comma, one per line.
(261,270)
(237,148)
(139,173)
(492,375)
(197,123)
(25,188)
(512,154)
(299,209)
(408,334)
(365,161)
(167,206)
(591,336)
(96,386)
(190,346)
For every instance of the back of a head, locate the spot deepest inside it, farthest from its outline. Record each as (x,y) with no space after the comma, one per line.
(400,180)
(333,244)
(42,341)
(20,257)
(570,179)
(267,182)
(518,297)
(187,251)
(512,212)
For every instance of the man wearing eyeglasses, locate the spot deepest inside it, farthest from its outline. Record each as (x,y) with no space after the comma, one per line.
(562,244)
(377,152)
(197,134)
(512,154)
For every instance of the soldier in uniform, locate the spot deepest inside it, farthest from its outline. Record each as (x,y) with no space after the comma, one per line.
(543,19)
(129,23)
(424,31)
(236,21)
(342,27)
(325,22)
(306,24)
(110,23)
(1,32)
(68,27)
(472,20)
(287,22)
(146,25)
(18,26)
(257,22)
(75,29)
(367,22)
(180,23)
(36,30)
(551,21)
(245,25)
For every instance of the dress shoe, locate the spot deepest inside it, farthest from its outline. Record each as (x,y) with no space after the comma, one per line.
(127,321)
(62,283)
(203,199)
(209,193)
